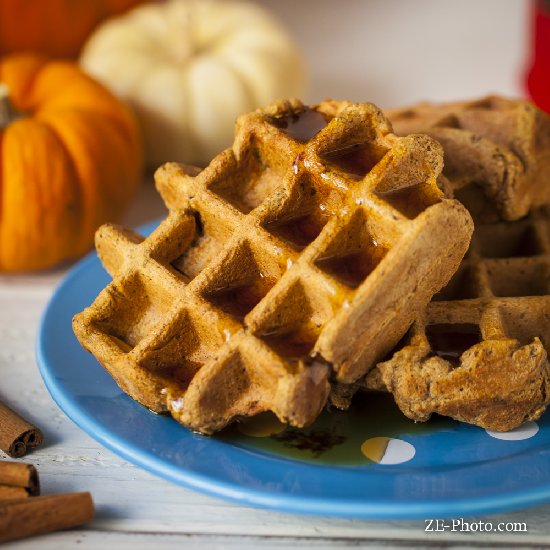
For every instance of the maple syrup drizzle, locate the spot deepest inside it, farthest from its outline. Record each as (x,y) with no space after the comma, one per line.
(292,344)
(337,437)
(375,448)
(302,126)
(353,268)
(239,300)
(262,425)
(356,160)
(450,341)
(410,201)
(315,441)
(299,231)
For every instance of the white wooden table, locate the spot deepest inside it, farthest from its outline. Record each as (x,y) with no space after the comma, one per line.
(138,510)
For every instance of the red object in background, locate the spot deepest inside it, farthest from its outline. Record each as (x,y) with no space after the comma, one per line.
(538,78)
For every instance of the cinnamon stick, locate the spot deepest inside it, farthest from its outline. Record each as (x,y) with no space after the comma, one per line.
(16,434)
(18,475)
(7,492)
(35,516)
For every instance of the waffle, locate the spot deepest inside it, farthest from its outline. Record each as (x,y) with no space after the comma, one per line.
(301,254)
(493,146)
(479,352)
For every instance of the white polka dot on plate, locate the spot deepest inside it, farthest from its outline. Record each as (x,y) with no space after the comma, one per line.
(525,431)
(387,450)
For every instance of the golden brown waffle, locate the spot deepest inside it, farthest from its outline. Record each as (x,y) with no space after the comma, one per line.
(479,353)
(303,252)
(495,146)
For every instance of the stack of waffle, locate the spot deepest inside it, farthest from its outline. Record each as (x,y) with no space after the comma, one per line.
(313,259)
(479,351)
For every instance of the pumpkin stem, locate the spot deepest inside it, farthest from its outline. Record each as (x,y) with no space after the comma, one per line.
(7,112)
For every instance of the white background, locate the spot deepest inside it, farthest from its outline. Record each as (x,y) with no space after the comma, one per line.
(393,52)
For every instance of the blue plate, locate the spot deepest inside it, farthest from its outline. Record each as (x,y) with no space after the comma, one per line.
(447,469)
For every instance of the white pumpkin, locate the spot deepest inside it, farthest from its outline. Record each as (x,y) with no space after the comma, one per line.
(190,67)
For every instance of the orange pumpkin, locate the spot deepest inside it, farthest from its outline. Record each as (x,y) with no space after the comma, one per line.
(54,27)
(70,160)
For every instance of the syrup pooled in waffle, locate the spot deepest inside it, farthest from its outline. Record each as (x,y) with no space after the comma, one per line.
(493,146)
(303,253)
(479,353)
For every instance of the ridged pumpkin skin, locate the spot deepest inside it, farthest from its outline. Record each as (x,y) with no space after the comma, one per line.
(71,162)
(190,67)
(53,27)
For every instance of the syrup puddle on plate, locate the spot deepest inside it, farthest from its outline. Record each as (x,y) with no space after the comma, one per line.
(360,436)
